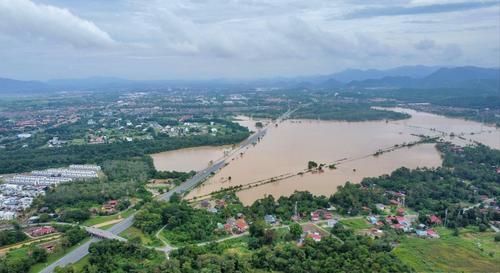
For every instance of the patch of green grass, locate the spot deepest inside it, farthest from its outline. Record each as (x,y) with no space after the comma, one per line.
(471,251)
(357,223)
(101,219)
(146,239)
(78,266)
(77,141)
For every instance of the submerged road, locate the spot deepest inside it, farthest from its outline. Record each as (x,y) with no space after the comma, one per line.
(78,253)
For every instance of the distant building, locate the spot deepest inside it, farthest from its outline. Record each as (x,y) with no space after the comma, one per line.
(40,231)
(314,216)
(315,236)
(270,219)
(331,223)
(23,136)
(433,219)
(241,225)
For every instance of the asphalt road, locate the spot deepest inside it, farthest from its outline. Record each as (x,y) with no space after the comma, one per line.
(81,251)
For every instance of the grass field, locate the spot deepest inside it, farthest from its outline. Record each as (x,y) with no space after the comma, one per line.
(357,223)
(472,251)
(146,239)
(102,219)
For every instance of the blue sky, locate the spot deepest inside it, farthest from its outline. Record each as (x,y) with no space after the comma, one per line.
(138,39)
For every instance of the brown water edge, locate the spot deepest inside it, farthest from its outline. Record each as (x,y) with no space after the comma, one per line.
(249,122)
(188,159)
(198,158)
(326,183)
(287,149)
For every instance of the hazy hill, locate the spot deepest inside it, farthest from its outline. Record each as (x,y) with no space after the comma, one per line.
(416,77)
(416,71)
(458,77)
(15,86)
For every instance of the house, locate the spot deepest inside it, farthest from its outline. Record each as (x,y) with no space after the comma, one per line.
(380,206)
(421,233)
(109,207)
(374,233)
(390,219)
(241,225)
(327,215)
(228,228)
(40,231)
(400,211)
(402,220)
(432,233)
(213,210)
(315,236)
(373,220)
(331,223)
(220,203)
(314,216)
(270,219)
(394,202)
(433,219)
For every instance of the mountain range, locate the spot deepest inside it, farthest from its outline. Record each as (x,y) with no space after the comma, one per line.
(419,77)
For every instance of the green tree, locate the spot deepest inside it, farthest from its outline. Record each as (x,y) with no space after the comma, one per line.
(39,254)
(296,230)
(312,165)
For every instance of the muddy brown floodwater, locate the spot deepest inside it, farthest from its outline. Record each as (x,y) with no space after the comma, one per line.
(189,159)
(286,149)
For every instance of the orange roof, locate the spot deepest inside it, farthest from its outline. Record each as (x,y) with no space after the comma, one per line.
(241,224)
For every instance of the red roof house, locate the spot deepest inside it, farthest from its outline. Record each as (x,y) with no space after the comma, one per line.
(241,224)
(314,216)
(400,211)
(40,231)
(433,234)
(315,236)
(435,219)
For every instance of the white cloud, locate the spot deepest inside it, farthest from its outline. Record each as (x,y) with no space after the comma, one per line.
(236,38)
(31,21)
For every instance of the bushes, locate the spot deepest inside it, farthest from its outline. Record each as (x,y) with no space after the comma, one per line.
(8,237)
(74,215)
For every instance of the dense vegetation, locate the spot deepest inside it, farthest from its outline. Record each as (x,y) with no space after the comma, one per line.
(279,254)
(111,256)
(284,207)
(183,223)
(331,110)
(15,235)
(21,160)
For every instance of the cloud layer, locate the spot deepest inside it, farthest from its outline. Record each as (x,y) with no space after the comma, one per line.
(25,19)
(158,39)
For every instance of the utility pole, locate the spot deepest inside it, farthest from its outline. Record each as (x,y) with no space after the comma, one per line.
(446,217)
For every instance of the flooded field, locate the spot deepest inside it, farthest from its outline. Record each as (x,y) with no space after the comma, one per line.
(198,158)
(249,122)
(189,159)
(286,149)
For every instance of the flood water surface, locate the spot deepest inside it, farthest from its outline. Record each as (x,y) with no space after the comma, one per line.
(287,148)
(189,159)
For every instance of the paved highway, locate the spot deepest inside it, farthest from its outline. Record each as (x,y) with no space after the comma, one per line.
(81,251)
